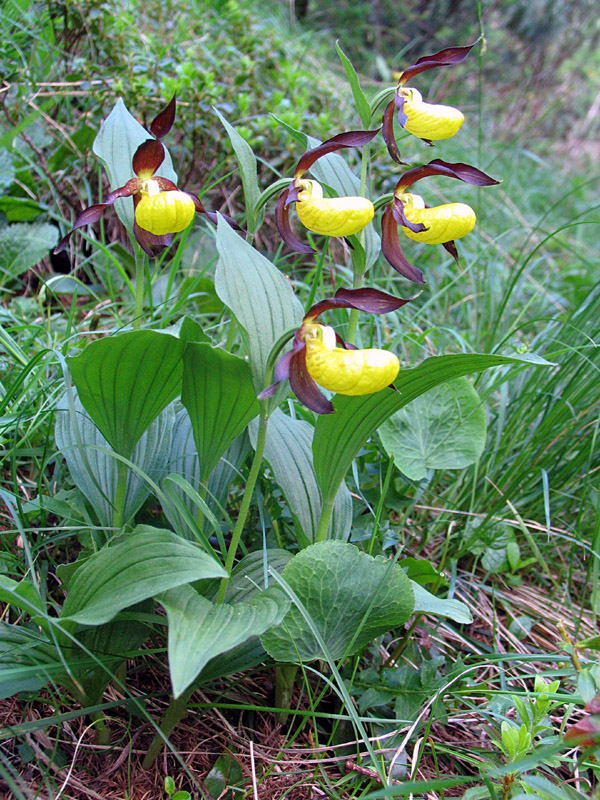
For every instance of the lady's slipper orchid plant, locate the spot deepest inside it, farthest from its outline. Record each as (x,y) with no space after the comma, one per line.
(161,209)
(426,121)
(330,216)
(439,225)
(315,359)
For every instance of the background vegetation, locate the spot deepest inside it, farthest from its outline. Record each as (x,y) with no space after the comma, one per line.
(516,536)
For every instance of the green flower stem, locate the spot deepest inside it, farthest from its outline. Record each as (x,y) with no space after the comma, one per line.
(140,280)
(101,729)
(358,269)
(246,500)
(175,712)
(119,509)
(382,496)
(285,675)
(326,513)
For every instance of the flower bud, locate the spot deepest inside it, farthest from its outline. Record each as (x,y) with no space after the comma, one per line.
(165,212)
(443,223)
(426,120)
(332,216)
(350,372)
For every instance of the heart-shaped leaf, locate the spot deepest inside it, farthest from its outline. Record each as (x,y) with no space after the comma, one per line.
(200,630)
(443,429)
(144,563)
(339,437)
(350,597)
(258,294)
(219,396)
(125,381)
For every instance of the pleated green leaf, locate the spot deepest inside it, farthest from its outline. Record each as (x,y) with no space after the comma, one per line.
(220,398)
(125,381)
(200,630)
(144,563)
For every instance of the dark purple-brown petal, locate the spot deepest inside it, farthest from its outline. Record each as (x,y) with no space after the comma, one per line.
(148,158)
(282,220)
(400,217)
(345,345)
(387,131)
(348,139)
(445,58)
(304,387)
(163,121)
(450,247)
(133,186)
(372,300)
(282,369)
(87,217)
(460,171)
(165,185)
(390,247)
(150,242)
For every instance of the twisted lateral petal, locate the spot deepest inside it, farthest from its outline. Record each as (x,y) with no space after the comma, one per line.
(165,212)
(350,372)
(335,216)
(443,223)
(391,249)
(426,120)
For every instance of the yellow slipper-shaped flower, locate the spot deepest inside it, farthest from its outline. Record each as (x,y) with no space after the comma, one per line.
(332,216)
(427,120)
(165,212)
(349,372)
(443,223)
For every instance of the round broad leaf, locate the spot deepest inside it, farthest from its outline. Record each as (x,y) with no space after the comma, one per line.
(350,598)
(443,429)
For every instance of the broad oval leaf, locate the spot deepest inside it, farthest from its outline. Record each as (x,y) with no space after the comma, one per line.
(220,398)
(258,294)
(115,144)
(339,437)
(288,449)
(94,470)
(350,597)
(443,429)
(125,381)
(200,630)
(138,566)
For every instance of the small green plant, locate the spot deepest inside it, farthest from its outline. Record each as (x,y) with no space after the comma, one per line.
(172,792)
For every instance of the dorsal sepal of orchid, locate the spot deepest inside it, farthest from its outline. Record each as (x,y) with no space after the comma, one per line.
(148,158)
(371,300)
(338,142)
(282,221)
(163,121)
(87,217)
(460,171)
(444,58)
(391,249)
(387,131)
